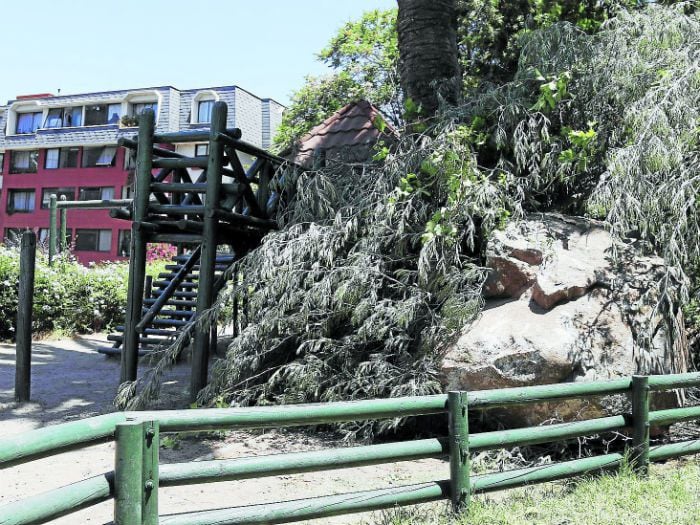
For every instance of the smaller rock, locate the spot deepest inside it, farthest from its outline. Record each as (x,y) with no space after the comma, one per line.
(507,277)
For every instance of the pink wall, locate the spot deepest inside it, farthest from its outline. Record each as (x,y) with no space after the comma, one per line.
(69,177)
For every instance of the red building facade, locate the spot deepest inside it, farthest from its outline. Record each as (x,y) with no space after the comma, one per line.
(93,235)
(67,145)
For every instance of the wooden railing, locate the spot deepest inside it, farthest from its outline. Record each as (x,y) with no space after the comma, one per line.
(137,476)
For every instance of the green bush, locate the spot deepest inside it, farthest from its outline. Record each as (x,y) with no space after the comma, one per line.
(68,297)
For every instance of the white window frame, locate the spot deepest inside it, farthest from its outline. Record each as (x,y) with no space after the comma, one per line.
(201,96)
(58,159)
(30,198)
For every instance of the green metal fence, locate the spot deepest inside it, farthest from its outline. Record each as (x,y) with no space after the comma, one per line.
(137,477)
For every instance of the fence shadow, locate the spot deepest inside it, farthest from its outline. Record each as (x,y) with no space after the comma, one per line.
(70,380)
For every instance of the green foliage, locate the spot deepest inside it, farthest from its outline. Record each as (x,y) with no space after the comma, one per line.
(170,441)
(582,147)
(364,57)
(367,50)
(352,299)
(552,91)
(68,297)
(492,31)
(319,98)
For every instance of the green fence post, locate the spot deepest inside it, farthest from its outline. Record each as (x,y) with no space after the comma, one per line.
(62,243)
(53,217)
(129,487)
(640,424)
(459,449)
(150,473)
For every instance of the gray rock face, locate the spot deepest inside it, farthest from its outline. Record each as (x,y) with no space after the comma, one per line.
(565,302)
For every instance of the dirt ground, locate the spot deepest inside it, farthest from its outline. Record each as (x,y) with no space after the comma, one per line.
(71,381)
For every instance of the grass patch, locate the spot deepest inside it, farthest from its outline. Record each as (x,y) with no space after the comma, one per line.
(669,496)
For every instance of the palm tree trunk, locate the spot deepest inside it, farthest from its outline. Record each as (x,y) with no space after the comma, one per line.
(427,31)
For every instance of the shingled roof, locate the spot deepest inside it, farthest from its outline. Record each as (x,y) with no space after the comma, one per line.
(350,127)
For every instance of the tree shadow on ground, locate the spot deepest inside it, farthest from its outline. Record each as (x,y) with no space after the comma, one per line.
(70,380)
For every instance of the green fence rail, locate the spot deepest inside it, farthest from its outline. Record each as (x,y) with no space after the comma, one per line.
(58,242)
(137,477)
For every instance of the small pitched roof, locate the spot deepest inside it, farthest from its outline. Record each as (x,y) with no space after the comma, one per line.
(355,124)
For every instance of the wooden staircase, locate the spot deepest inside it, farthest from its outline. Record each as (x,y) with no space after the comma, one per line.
(170,303)
(213,216)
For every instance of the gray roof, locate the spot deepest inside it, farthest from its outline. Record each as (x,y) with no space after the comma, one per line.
(174,114)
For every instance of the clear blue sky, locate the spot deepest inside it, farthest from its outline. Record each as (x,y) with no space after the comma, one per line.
(79,46)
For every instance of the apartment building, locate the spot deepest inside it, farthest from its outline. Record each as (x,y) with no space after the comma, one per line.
(67,145)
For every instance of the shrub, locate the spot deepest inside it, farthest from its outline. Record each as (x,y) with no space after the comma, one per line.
(68,297)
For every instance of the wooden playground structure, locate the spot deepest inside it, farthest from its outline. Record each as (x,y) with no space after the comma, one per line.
(213,218)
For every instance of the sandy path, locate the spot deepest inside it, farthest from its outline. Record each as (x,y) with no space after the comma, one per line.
(71,381)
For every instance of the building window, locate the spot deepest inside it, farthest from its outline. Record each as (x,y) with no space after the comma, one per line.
(54,119)
(101,114)
(20,201)
(93,240)
(28,122)
(204,108)
(69,157)
(64,117)
(13,235)
(99,157)
(52,159)
(124,248)
(46,193)
(44,236)
(127,192)
(137,109)
(201,150)
(2,162)
(96,194)
(73,117)
(129,159)
(24,161)
(61,158)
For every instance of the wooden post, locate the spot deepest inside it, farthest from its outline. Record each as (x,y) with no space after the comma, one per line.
(459,449)
(23,370)
(62,242)
(207,263)
(137,258)
(640,424)
(53,227)
(148,287)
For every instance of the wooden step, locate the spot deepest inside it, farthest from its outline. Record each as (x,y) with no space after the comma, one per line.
(174,268)
(173,302)
(222,258)
(113,352)
(153,331)
(156,341)
(164,284)
(180,294)
(176,313)
(169,322)
(169,276)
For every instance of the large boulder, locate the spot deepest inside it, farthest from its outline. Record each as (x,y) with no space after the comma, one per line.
(566,302)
